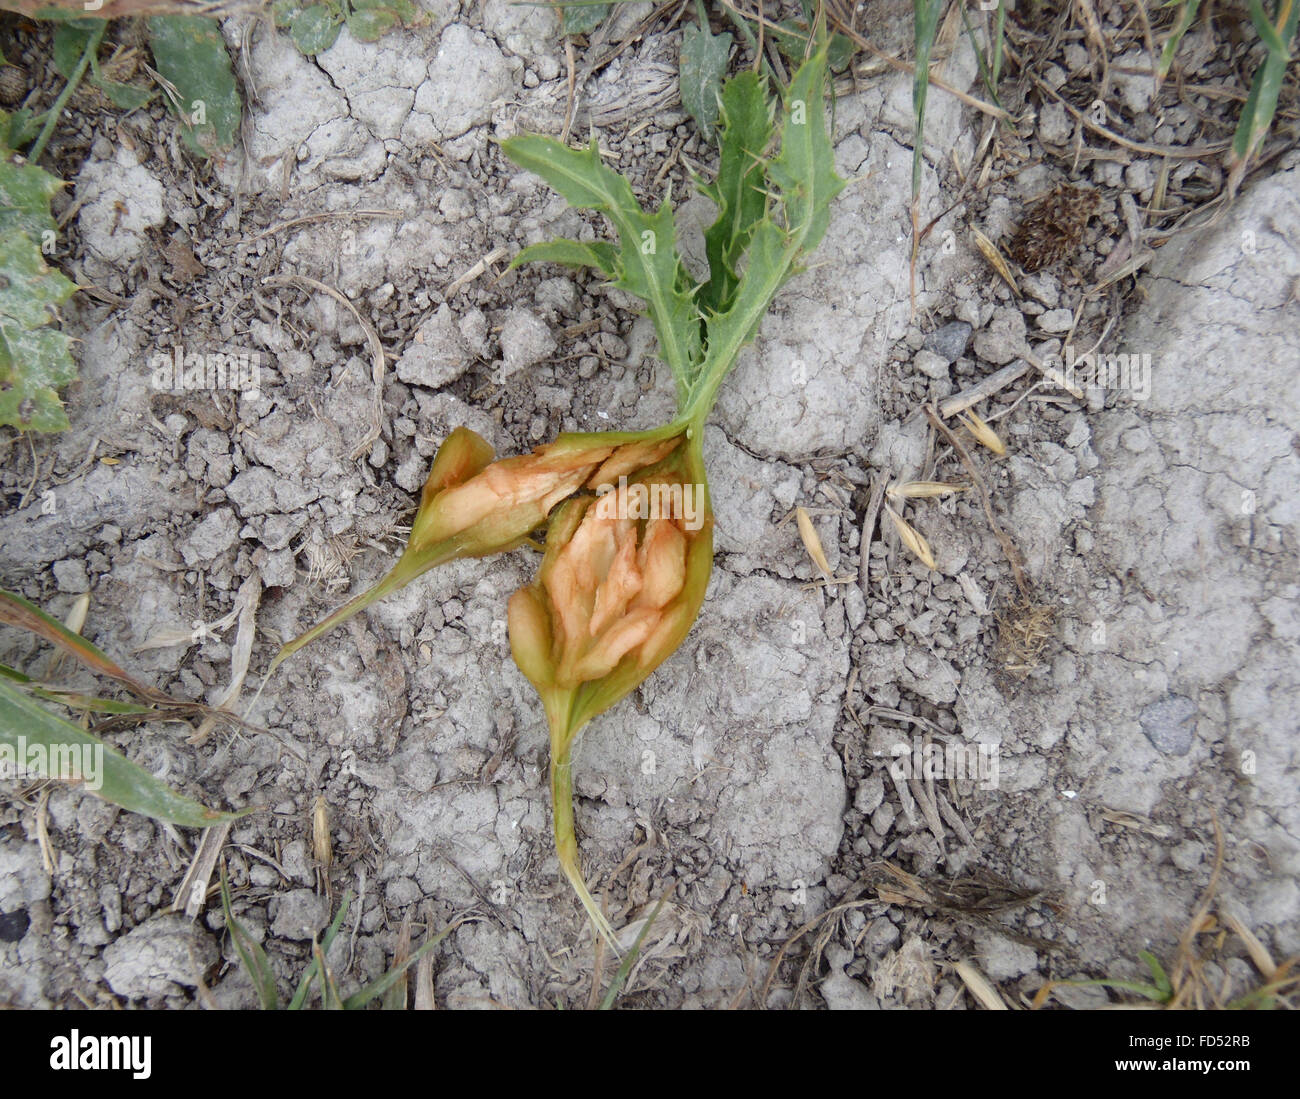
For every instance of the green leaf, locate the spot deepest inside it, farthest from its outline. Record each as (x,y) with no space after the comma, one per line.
(383,983)
(599,254)
(35,360)
(703,63)
(583,18)
(25,194)
(19,128)
(127,97)
(791,37)
(1158,973)
(250,953)
(34,364)
(28,287)
(371,24)
(191,54)
(404,10)
(805,168)
(647,263)
(283,11)
(315,29)
(69,44)
(739,191)
(24,725)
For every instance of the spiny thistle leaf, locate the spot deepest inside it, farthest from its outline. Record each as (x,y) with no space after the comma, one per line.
(646,263)
(703,63)
(738,191)
(599,254)
(805,168)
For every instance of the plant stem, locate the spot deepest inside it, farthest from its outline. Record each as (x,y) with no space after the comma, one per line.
(566,840)
(56,112)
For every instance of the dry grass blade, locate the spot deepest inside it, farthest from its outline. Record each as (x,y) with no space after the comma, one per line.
(991,253)
(1258,952)
(868,530)
(16,611)
(980,987)
(192,893)
(75,622)
(424,1000)
(246,601)
(158,705)
(309,219)
(811,541)
(815,922)
(983,389)
(321,845)
(395,998)
(497,254)
(911,538)
(1186,963)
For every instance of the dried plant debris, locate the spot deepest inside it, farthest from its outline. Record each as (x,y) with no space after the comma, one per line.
(1023,635)
(1052,228)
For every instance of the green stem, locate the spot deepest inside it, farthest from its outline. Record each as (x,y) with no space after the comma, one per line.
(566,842)
(56,112)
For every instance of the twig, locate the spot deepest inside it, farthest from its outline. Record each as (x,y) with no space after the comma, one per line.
(474,272)
(868,530)
(983,389)
(329,215)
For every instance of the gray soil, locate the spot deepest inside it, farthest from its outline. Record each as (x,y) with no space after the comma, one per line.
(749,780)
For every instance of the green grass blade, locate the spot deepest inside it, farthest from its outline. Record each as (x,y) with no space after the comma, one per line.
(1261,103)
(985,64)
(1158,973)
(304,985)
(382,984)
(17,611)
(250,953)
(999,42)
(25,726)
(620,978)
(925,22)
(72,699)
(1186,17)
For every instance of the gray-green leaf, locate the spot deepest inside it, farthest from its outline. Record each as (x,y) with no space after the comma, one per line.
(703,63)
(191,54)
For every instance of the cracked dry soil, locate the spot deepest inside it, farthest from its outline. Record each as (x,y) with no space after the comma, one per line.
(754,777)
